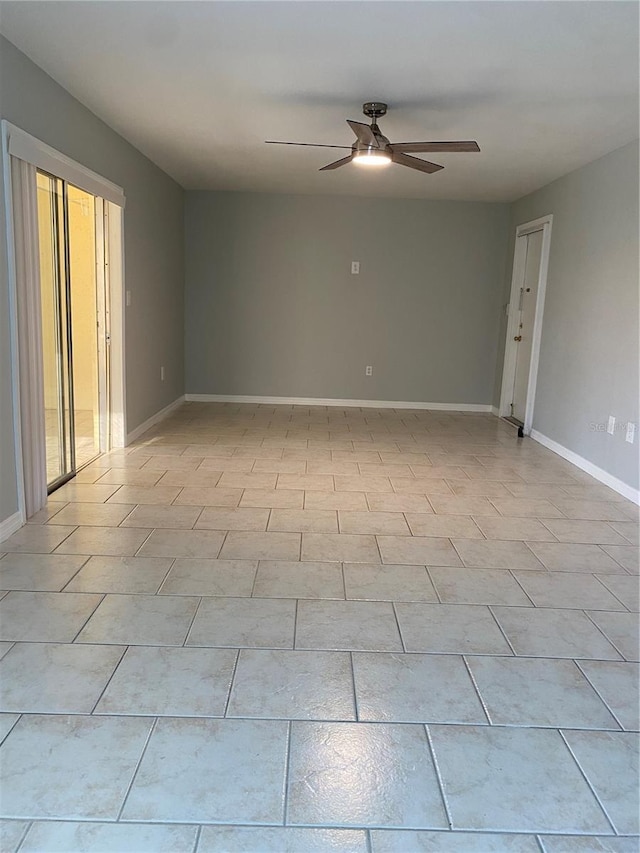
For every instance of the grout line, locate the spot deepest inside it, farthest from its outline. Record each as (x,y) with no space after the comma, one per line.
(602,699)
(84,624)
(287,767)
(197,839)
(295,624)
(475,684)
(436,768)
(586,778)
(353,684)
(108,682)
(135,772)
(502,631)
(233,676)
(191,624)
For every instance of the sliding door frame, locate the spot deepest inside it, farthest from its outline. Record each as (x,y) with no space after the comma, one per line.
(19,145)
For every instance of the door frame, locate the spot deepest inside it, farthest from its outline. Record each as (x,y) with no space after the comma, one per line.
(17,143)
(544,224)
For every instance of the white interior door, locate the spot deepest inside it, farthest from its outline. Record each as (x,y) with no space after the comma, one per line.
(524,331)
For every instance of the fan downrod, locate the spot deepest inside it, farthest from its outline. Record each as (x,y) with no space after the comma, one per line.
(374,110)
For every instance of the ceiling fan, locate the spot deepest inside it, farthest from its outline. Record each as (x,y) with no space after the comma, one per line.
(372,148)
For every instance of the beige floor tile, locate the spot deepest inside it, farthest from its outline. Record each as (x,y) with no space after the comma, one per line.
(273,498)
(201,478)
(591,510)
(383,469)
(585,532)
(234,480)
(543,632)
(234,465)
(84,835)
(44,617)
(120,574)
(331,467)
(37,539)
(618,684)
(526,507)
(455,505)
(340,546)
(627,556)
(148,495)
(496,554)
(335,501)
(538,692)
(402,688)
(233,518)
(280,466)
(564,589)
(128,477)
(104,541)
(417,551)
(208,496)
(210,577)
(92,515)
(304,520)
(373,582)
(84,493)
(244,622)
(478,488)
(622,629)
(38,572)
(295,685)
(306,482)
(477,586)
(140,620)
(419,486)
(373,522)
(450,629)
(170,682)
(241,545)
(173,517)
(514,529)
(564,557)
(361,483)
(625,588)
(288,579)
(384,502)
(347,626)
(425,841)
(183,543)
(171,463)
(422,524)
(629,529)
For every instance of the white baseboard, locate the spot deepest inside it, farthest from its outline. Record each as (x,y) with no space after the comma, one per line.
(9,526)
(321,401)
(580,462)
(153,420)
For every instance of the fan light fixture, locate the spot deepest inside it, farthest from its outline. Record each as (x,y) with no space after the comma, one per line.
(372,148)
(372,157)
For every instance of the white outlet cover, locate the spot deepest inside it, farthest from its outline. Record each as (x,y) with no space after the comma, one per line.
(631,432)
(611,425)
(355,267)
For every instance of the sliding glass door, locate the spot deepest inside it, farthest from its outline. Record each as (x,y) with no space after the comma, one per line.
(73,327)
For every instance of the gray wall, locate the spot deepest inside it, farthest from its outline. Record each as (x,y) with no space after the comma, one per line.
(154,249)
(272,308)
(589,350)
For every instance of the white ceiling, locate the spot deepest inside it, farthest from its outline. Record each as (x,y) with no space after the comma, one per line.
(544,87)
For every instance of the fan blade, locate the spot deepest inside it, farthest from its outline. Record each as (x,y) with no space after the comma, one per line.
(307,144)
(426,147)
(414,163)
(364,133)
(336,164)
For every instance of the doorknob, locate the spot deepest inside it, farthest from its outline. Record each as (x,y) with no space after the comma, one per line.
(518,338)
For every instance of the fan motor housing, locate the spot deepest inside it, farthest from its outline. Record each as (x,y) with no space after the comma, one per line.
(374,109)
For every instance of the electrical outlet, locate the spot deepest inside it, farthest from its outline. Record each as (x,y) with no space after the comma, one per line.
(355,267)
(162,374)
(368,371)
(611,427)
(128,298)
(631,432)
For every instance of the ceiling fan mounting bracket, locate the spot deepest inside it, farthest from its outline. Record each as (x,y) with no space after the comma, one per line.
(374,109)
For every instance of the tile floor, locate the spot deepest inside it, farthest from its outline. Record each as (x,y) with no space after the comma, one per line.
(281,629)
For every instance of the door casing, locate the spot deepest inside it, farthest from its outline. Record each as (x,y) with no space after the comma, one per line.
(543,224)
